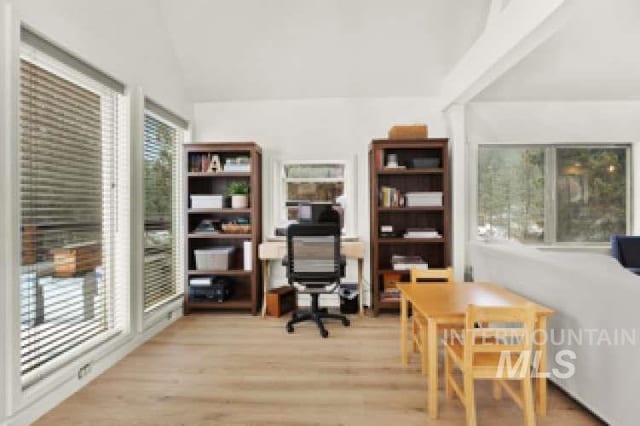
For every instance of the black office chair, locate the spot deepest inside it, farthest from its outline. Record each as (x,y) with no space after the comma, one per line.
(314,267)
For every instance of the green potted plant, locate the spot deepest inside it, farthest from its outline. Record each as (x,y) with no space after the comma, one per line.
(239,193)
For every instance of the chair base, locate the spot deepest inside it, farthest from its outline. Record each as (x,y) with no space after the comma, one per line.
(316,315)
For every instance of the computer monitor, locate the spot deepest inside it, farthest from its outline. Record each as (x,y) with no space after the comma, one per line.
(312,212)
(305,213)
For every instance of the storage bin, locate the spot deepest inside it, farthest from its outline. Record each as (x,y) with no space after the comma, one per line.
(207,201)
(213,259)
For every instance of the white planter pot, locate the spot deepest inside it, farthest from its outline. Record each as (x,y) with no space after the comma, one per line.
(239,201)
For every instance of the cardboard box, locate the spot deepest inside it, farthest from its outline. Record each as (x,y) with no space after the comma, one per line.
(281,300)
(414,131)
(75,259)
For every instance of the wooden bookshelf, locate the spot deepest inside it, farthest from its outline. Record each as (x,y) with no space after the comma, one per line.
(246,284)
(435,251)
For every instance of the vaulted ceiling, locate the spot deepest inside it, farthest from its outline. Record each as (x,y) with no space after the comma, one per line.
(259,49)
(595,56)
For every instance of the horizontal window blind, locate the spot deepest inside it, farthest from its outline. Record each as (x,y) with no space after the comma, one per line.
(68,183)
(162,140)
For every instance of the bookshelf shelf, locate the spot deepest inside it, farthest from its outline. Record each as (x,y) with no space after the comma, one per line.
(412,240)
(409,209)
(435,251)
(246,285)
(219,174)
(205,235)
(230,272)
(392,171)
(225,211)
(242,304)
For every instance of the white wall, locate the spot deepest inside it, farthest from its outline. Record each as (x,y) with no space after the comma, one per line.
(560,122)
(309,129)
(127,40)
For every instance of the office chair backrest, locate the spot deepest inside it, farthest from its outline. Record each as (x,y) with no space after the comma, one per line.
(442,275)
(313,253)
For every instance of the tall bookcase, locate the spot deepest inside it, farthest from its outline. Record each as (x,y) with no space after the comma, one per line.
(435,251)
(246,283)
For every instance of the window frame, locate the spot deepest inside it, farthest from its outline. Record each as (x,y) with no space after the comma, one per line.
(23,390)
(550,188)
(280,183)
(177,196)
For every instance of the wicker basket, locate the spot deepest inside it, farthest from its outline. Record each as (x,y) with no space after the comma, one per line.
(234,228)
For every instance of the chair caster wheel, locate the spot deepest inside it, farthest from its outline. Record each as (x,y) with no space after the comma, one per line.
(346,322)
(289,329)
(324,333)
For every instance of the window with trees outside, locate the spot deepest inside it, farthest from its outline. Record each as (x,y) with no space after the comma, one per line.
(307,182)
(73,236)
(162,140)
(551,194)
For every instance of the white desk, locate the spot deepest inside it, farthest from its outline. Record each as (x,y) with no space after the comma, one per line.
(277,250)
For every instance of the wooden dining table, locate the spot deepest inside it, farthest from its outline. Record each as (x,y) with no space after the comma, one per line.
(447,304)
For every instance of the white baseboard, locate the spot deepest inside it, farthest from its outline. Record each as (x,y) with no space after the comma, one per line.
(62,391)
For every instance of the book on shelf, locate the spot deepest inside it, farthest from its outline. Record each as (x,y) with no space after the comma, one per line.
(422,233)
(391,197)
(238,165)
(390,294)
(405,263)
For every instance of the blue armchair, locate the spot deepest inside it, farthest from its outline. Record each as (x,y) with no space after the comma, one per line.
(627,250)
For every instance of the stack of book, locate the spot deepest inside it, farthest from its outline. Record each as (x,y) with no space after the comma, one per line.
(391,197)
(406,263)
(390,294)
(422,233)
(424,199)
(201,281)
(239,164)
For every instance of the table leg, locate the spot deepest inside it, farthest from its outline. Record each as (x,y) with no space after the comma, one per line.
(432,348)
(361,286)
(265,284)
(541,377)
(404,357)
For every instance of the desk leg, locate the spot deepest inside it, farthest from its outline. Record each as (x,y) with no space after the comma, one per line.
(265,284)
(361,285)
(541,378)
(432,348)
(404,357)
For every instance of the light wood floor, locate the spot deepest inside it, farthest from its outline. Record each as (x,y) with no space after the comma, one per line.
(231,369)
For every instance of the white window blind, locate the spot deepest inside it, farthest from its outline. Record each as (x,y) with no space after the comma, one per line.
(70,297)
(163,136)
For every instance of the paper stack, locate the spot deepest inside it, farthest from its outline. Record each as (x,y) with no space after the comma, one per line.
(424,199)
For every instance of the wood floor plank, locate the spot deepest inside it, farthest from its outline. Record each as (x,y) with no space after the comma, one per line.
(233,369)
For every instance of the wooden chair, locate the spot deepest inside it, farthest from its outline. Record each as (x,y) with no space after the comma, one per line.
(418,322)
(485,353)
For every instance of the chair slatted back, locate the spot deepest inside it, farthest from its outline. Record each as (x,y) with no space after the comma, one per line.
(442,275)
(510,331)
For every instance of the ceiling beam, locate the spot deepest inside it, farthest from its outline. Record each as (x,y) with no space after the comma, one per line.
(510,35)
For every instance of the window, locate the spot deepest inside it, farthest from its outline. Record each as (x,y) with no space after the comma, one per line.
(163,137)
(326,181)
(553,194)
(69,193)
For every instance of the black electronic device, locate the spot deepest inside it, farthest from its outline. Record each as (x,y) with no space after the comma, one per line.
(220,290)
